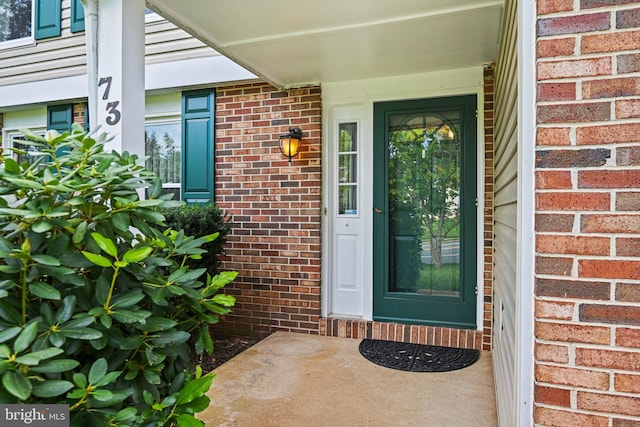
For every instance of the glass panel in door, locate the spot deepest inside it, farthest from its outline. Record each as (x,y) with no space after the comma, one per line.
(424,203)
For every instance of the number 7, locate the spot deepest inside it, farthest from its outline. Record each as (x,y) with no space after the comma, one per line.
(106,80)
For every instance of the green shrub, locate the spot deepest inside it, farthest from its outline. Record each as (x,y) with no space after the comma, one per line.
(98,305)
(197,220)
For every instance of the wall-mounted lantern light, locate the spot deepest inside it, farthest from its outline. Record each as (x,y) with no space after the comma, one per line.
(290,143)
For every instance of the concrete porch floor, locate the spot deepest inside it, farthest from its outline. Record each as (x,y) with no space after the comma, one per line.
(293,379)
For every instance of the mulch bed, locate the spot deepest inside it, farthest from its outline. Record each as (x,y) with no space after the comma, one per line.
(223,350)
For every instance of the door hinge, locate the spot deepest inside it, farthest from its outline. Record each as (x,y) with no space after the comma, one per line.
(476,289)
(476,113)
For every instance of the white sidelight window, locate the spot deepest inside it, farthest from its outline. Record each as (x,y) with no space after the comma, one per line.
(348,168)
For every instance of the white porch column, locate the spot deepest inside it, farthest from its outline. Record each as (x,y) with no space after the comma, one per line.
(120,73)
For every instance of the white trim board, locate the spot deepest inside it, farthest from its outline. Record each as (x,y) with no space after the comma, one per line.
(176,74)
(526,211)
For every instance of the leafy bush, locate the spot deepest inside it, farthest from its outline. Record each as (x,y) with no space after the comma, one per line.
(97,302)
(197,220)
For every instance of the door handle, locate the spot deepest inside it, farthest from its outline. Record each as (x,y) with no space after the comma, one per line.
(378,210)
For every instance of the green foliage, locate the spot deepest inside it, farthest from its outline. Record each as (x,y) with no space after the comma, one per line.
(98,306)
(195,220)
(424,171)
(444,278)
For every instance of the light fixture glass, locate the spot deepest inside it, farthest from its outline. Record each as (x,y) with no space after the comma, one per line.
(290,143)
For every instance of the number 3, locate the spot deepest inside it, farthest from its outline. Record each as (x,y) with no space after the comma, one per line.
(114,113)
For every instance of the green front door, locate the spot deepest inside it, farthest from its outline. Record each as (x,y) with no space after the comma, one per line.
(425,211)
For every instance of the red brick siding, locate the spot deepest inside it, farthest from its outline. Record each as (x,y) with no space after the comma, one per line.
(550,6)
(417,334)
(556,47)
(78,113)
(488,207)
(587,308)
(275,207)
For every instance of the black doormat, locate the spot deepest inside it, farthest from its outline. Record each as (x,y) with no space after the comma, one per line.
(417,357)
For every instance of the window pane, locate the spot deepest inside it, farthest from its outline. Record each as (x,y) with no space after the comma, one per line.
(347,169)
(15,19)
(32,155)
(424,202)
(348,137)
(347,200)
(162,147)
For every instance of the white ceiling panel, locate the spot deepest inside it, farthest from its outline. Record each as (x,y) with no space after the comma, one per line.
(292,43)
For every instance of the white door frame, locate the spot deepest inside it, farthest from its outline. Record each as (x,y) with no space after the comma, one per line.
(340,101)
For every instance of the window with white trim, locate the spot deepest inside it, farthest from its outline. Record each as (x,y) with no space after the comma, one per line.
(16,22)
(27,153)
(163,149)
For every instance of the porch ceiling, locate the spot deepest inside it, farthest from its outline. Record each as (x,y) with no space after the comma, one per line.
(296,42)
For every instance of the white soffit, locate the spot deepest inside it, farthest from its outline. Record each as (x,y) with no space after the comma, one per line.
(296,42)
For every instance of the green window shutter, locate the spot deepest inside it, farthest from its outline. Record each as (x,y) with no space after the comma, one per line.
(47,18)
(198,110)
(77,16)
(60,117)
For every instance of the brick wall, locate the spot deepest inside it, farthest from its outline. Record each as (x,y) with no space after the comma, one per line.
(390,331)
(78,113)
(487,241)
(275,243)
(587,307)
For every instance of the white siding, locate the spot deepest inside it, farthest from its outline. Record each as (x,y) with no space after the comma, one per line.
(166,42)
(65,56)
(45,59)
(505,214)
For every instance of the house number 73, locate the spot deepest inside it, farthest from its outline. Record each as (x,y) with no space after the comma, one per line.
(112,107)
